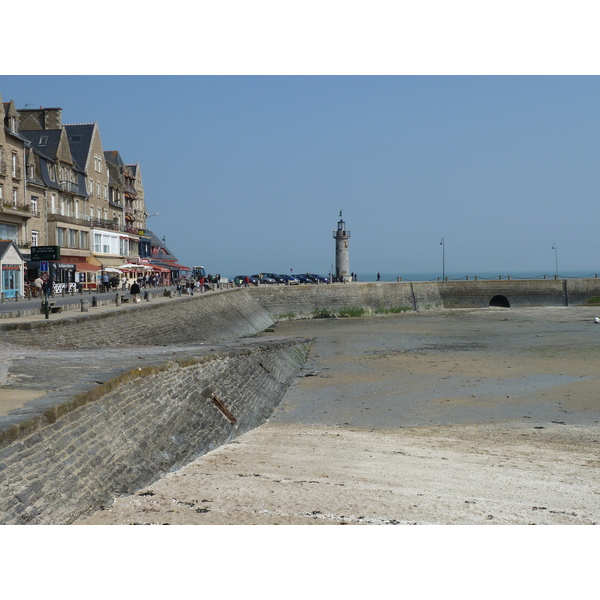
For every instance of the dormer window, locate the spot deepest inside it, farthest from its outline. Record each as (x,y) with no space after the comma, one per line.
(43,140)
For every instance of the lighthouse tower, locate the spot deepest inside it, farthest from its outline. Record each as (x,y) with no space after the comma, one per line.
(342,262)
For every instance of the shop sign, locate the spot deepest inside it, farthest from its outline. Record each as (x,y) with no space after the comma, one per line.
(45,253)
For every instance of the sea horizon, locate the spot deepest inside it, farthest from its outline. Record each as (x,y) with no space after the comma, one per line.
(458,276)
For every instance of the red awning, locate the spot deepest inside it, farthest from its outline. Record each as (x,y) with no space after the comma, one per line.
(86,266)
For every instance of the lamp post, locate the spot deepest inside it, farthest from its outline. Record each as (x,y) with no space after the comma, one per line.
(555,257)
(443,245)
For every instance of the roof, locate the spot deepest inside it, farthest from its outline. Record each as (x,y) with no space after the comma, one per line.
(44,140)
(164,252)
(4,247)
(80,139)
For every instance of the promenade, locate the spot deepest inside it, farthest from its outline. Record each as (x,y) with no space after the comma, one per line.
(29,309)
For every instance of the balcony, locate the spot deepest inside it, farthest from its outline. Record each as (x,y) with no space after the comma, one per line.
(69,186)
(20,211)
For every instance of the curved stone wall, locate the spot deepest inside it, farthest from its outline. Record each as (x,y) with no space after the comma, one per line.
(126,433)
(210,317)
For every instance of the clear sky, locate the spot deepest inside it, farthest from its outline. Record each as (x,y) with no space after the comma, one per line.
(250,167)
(249,173)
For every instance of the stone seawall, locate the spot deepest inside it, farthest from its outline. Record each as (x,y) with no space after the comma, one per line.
(129,431)
(303,301)
(202,318)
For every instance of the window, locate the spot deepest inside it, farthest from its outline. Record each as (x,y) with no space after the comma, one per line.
(73,238)
(124,246)
(35,236)
(105,192)
(8,232)
(60,236)
(83,240)
(14,165)
(1,193)
(97,164)
(15,196)
(98,188)
(43,140)
(34,204)
(53,203)
(90,187)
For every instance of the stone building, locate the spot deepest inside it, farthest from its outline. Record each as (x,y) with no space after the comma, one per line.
(15,210)
(58,187)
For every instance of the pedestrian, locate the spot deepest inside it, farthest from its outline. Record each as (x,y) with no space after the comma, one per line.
(378,276)
(38,284)
(105,282)
(135,291)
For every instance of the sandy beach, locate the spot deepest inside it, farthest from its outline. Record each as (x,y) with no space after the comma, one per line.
(450,417)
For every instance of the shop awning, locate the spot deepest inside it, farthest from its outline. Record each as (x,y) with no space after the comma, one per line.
(110,262)
(86,266)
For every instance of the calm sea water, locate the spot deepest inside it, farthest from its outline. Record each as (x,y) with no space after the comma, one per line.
(456,276)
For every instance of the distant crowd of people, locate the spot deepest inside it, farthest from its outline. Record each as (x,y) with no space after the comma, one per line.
(189,285)
(123,283)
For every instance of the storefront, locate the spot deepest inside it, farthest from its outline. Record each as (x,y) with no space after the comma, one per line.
(62,277)
(13,270)
(87,271)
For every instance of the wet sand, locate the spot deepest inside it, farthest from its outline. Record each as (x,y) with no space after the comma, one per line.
(451,417)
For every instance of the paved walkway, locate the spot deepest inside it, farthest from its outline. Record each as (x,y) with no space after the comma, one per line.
(24,311)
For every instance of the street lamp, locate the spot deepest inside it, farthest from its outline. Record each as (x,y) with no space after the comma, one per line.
(443,245)
(555,257)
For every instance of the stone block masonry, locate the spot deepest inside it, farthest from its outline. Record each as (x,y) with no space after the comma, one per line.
(126,433)
(305,301)
(202,318)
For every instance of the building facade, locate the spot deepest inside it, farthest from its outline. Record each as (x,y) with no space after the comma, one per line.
(58,187)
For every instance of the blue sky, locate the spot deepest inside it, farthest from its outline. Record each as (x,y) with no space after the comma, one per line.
(249,173)
(256,123)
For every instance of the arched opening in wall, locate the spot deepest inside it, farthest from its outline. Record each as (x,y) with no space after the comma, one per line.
(501,301)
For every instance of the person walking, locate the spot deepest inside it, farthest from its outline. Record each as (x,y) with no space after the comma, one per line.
(38,284)
(135,291)
(378,276)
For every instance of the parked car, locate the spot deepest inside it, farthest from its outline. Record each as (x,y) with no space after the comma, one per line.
(276,277)
(264,278)
(303,279)
(239,279)
(290,279)
(311,277)
(320,278)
